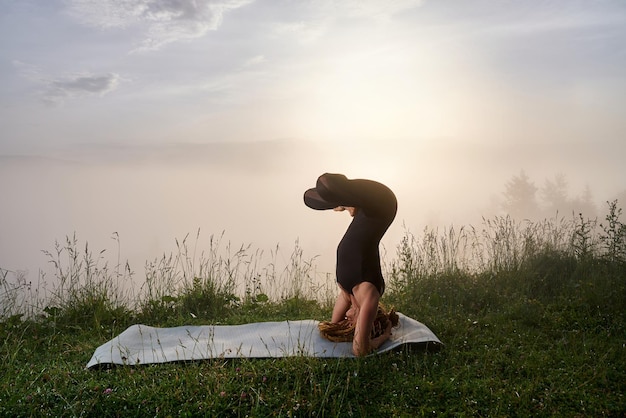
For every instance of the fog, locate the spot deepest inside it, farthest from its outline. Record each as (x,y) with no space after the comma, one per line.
(133,129)
(135,202)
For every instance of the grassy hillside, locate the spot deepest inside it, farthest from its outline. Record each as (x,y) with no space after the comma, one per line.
(532,316)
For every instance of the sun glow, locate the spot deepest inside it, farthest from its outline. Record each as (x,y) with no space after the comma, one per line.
(362,97)
(385,93)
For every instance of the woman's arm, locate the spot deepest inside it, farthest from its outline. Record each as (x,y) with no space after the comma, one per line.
(342,304)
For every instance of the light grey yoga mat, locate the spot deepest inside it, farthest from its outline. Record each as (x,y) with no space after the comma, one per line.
(142,344)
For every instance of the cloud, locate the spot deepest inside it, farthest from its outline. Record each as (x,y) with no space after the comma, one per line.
(256,60)
(375,9)
(165,21)
(306,32)
(318,16)
(81,84)
(55,90)
(574,18)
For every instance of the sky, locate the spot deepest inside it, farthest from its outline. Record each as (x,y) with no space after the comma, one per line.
(151,119)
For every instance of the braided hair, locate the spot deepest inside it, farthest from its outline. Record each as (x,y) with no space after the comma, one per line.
(343,331)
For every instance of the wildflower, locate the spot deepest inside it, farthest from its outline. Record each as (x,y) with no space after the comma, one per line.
(107,391)
(222,394)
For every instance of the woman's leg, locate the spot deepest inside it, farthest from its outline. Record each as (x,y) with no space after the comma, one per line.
(367,195)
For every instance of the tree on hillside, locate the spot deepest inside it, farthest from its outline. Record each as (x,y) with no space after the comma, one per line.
(554,195)
(520,200)
(555,198)
(584,203)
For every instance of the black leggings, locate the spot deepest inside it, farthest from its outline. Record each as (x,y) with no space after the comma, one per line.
(358,257)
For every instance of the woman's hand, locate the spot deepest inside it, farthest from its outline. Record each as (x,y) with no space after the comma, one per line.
(350,209)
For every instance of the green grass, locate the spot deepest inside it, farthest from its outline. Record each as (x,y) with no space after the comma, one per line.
(532,316)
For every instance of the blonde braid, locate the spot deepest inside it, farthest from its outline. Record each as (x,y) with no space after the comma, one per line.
(343,331)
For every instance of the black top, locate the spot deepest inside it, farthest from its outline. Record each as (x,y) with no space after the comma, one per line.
(358,257)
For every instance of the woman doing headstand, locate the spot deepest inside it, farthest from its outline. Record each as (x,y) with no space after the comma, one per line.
(373,207)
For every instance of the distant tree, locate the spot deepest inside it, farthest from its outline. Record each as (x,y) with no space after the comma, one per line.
(584,204)
(554,195)
(520,197)
(521,202)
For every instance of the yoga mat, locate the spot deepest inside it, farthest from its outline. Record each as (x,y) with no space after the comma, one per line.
(142,344)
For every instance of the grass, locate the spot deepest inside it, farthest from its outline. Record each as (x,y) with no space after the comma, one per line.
(532,316)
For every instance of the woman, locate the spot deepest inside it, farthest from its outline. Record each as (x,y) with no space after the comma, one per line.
(373,207)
